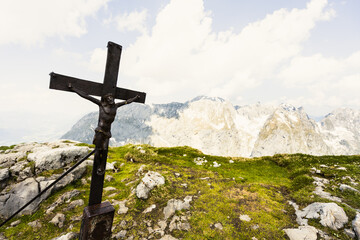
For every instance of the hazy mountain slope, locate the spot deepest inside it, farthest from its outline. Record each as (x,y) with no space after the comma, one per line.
(215,126)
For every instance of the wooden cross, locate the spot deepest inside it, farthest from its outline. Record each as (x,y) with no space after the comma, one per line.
(107,112)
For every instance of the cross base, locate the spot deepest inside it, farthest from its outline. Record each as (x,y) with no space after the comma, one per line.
(97,222)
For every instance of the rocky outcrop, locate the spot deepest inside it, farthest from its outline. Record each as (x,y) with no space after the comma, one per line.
(302,233)
(148,182)
(174,205)
(356,225)
(22,165)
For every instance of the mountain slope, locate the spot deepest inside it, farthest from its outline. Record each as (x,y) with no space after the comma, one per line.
(215,126)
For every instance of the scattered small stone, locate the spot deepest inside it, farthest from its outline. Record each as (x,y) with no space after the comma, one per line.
(200,161)
(168,237)
(342,168)
(149,209)
(218,226)
(108,189)
(356,225)
(350,232)
(35,224)
(15,223)
(302,233)
(179,223)
(58,220)
(109,178)
(215,164)
(184,185)
(142,151)
(75,204)
(245,218)
(122,208)
(121,234)
(68,236)
(177,174)
(320,183)
(324,166)
(83,181)
(162,224)
(176,205)
(148,182)
(231,161)
(184,155)
(254,227)
(344,187)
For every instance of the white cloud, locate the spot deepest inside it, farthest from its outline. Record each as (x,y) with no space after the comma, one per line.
(31,22)
(183,54)
(133,21)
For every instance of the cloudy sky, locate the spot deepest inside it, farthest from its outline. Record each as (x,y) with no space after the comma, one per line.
(303,52)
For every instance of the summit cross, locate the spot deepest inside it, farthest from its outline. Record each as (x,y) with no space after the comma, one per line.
(107,112)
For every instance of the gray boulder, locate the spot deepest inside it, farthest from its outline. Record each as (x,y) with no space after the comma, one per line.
(174,205)
(4,174)
(330,214)
(302,233)
(58,220)
(68,236)
(46,158)
(356,225)
(148,182)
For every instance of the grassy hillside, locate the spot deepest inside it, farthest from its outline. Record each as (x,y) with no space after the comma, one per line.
(257,187)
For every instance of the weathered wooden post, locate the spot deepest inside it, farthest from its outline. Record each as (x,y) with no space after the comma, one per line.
(98,217)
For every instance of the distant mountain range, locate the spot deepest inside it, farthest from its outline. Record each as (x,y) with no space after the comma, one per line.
(216,127)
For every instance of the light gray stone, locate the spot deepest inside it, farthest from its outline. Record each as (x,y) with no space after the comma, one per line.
(4,174)
(148,182)
(149,209)
(35,224)
(356,225)
(62,199)
(168,237)
(218,226)
(245,218)
(350,232)
(47,158)
(344,187)
(75,204)
(68,236)
(15,223)
(320,183)
(179,223)
(176,205)
(122,207)
(302,233)
(18,196)
(121,234)
(9,159)
(330,214)
(58,220)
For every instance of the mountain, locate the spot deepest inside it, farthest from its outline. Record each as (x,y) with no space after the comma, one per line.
(215,126)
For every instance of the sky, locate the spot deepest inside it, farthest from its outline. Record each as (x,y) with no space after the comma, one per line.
(303,52)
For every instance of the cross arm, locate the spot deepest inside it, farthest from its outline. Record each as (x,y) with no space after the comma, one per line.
(61,82)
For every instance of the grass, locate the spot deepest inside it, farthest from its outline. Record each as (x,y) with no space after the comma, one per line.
(258,187)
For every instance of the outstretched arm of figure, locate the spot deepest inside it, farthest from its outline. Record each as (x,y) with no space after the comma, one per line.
(84,95)
(127,101)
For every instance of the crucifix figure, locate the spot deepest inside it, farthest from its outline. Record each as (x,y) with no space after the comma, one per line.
(107,112)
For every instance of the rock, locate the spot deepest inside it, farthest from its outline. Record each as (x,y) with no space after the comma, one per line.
(149,209)
(356,225)
(302,233)
(48,158)
(121,234)
(110,165)
(301,221)
(177,175)
(350,232)
(200,161)
(330,214)
(218,226)
(58,220)
(15,223)
(168,237)
(122,208)
(245,218)
(176,205)
(63,198)
(75,204)
(231,161)
(215,164)
(179,223)
(109,178)
(68,236)
(35,224)
(148,182)
(342,168)
(9,159)
(4,174)
(344,187)
(320,183)
(109,189)
(18,196)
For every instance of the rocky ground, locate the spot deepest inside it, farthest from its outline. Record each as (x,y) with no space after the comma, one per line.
(180,193)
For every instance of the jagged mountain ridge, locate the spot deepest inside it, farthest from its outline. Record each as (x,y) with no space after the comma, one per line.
(216,127)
